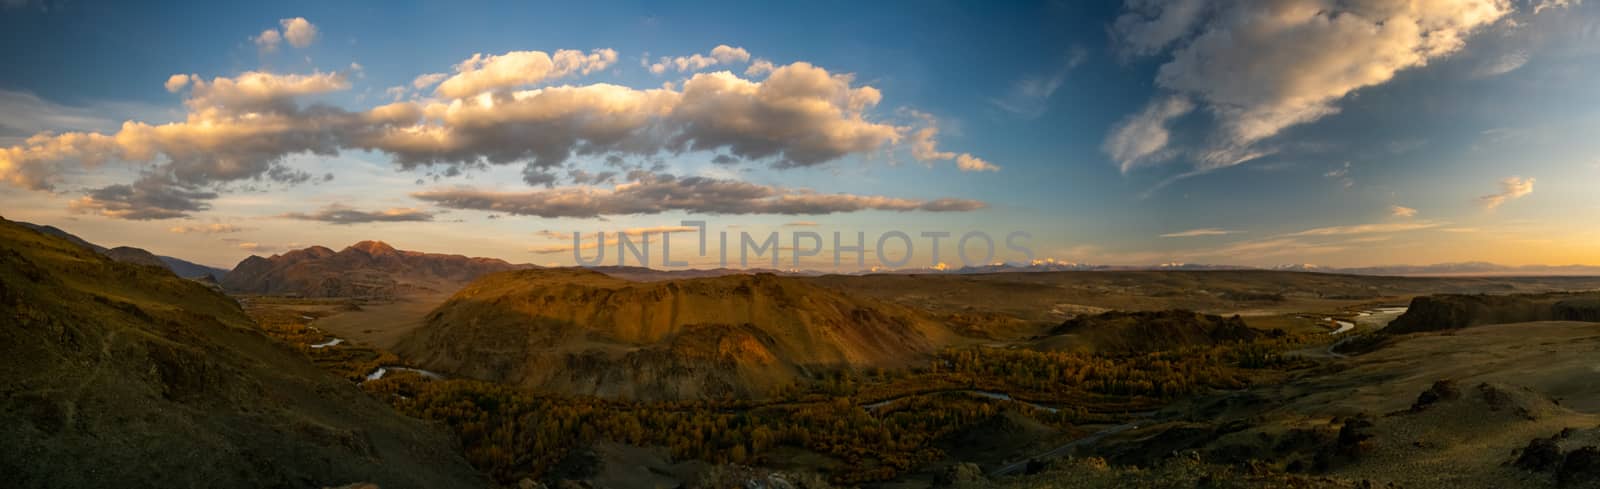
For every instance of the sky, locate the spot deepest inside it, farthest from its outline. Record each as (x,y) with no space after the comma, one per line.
(1338,133)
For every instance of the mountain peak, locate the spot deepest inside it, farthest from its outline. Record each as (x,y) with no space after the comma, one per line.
(373,248)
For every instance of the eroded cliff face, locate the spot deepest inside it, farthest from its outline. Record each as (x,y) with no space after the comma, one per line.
(579,332)
(1445,312)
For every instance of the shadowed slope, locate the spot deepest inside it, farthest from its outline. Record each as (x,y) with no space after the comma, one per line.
(127,376)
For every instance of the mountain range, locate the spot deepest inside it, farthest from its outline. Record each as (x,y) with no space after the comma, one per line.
(365,269)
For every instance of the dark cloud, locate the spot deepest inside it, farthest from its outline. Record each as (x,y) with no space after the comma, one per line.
(657,193)
(148,198)
(339,214)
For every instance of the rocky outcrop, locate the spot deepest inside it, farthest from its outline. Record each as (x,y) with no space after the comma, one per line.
(1447,312)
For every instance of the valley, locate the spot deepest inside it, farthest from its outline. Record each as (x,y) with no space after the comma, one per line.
(553,376)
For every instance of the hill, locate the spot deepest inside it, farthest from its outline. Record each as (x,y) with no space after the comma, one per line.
(128,254)
(127,376)
(576,331)
(1456,311)
(1121,332)
(365,269)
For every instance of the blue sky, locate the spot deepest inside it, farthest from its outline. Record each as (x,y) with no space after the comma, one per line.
(1366,145)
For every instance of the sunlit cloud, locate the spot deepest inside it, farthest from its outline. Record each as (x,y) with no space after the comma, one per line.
(1199,232)
(214,228)
(1402,211)
(1512,188)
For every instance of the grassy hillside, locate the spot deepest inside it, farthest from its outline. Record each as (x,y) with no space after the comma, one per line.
(126,376)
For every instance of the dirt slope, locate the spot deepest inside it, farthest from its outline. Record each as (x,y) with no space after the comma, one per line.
(576,331)
(127,376)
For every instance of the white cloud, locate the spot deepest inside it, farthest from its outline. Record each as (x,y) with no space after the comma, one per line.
(722,54)
(1262,67)
(299,32)
(1392,227)
(1199,232)
(428,80)
(1540,6)
(1512,188)
(482,73)
(176,82)
(967,162)
(1141,138)
(241,128)
(759,67)
(1402,211)
(268,40)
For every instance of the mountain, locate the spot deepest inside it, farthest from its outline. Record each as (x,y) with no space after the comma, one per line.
(136,256)
(128,254)
(187,269)
(365,269)
(576,331)
(127,376)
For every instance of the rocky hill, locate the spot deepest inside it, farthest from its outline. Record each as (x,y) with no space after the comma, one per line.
(1452,311)
(576,331)
(127,376)
(365,269)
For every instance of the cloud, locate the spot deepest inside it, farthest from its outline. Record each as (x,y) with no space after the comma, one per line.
(268,40)
(482,73)
(1501,65)
(176,82)
(1512,188)
(339,214)
(146,199)
(1542,5)
(257,247)
(1140,139)
(241,128)
(1149,26)
(299,32)
(658,193)
(1402,211)
(801,224)
(591,242)
(214,228)
(254,91)
(23,114)
(722,54)
(759,67)
(1199,232)
(1029,97)
(428,80)
(967,162)
(630,232)
(1393,227)
(1261,67)
(925,147)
